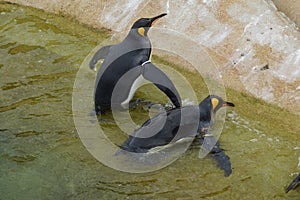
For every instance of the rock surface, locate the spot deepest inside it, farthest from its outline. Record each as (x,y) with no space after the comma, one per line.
(255,47)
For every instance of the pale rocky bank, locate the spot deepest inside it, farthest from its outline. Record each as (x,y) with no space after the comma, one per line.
(255,46)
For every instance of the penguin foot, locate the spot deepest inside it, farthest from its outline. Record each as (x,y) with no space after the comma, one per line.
(169,106)
(142,104)
(103,121)
(106,119)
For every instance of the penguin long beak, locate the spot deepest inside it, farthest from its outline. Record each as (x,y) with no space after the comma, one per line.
(228,104)
(155,19)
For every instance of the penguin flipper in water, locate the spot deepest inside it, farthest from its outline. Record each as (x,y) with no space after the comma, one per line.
(100,54)
(295,183)
(217,153)
(162,82)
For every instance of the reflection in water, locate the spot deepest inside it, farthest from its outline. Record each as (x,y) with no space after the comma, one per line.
(41,156)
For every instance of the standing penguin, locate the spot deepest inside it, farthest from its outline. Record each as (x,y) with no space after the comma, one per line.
(178,123)
(125,65)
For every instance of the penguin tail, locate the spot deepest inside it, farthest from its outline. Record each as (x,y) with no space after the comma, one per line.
(122,150)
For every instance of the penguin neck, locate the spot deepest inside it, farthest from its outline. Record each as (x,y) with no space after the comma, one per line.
(137,40)
(206,113)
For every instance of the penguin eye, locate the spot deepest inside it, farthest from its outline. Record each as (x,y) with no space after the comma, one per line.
(148,22)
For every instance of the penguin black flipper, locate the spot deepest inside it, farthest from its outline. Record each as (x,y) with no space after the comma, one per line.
(162,82)
(223,161)
(217,154)
(100,54)
(295,183)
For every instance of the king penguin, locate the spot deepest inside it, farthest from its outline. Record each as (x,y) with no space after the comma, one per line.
(192,121)
(125,66)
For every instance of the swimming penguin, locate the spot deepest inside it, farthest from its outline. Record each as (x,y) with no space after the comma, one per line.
(178,123)
(295,183)
(125,66)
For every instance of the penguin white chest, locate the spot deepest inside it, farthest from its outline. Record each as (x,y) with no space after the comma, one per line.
(136,84)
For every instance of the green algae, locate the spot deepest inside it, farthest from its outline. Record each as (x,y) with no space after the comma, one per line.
(22,49)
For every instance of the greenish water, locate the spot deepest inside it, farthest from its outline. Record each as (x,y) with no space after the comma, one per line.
(42,157)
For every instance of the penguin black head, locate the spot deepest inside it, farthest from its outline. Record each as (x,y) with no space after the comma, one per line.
(214,103)
(142,25)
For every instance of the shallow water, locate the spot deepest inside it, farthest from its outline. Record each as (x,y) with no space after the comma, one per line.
(42,157)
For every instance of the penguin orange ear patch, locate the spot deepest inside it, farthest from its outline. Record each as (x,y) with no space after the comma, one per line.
(214,102)
(141,31)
